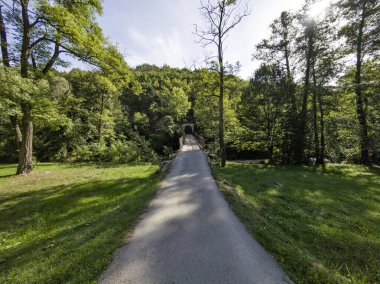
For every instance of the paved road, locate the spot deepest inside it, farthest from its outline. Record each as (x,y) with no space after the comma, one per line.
(190,235)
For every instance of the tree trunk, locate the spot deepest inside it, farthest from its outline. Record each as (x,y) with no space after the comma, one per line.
(25,47)
(315,128)
(4,42)
(301,135)
(17,130)
(221,121)
(26,150)
(5,55)
(290,125)
(286,43)
(270,138)
(364,157)
(221,106)
(52,60)
(315,116)
(100,125)
(322,125)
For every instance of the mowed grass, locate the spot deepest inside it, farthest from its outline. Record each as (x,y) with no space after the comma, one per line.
(62,223)
(322,225)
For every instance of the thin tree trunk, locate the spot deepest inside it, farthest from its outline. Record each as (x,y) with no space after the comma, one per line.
(100,126)
(4,42)
(315,116)
(270,137)
(221,93)
(364,156)
(221,117)
(52,60)
(286,45)
(34,62)
(322,125)
(291,124)
(301,135)
(25,50)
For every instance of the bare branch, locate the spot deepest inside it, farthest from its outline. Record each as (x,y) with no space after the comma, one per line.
(37,41)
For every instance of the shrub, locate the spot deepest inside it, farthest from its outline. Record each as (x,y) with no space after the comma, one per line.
(117,151)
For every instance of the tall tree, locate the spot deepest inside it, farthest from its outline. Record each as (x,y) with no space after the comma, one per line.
(361,31)
(325,68)
(263,107)
(278,49)
(307,47)
(51,28)
(6,63)
(221,17)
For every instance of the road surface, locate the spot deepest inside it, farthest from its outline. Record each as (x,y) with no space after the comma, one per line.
(190,235)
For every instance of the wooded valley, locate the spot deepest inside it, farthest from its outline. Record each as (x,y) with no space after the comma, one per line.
(314,98)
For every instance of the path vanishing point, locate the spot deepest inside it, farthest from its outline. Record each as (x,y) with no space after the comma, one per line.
(190,235)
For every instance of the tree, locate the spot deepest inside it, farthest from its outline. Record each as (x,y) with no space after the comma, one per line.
(45,29)
(279,50)
(160,95)
(361,32)
(221,17)
(325,68)
(99,97)
(307,41)
(263,110)
(6,63)
(204,86)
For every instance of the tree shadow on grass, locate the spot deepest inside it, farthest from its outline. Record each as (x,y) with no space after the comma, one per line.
(327,219)
(68,233)
(6,176)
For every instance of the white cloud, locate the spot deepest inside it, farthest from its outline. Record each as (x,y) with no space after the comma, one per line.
(161,31)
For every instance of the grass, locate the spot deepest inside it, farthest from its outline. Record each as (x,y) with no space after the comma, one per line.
(62,223)
(322,225)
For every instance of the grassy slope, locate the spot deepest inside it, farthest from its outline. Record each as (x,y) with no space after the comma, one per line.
(323,226)
(62,223)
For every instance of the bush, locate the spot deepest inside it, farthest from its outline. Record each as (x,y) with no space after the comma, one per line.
(118,151)
(167,153)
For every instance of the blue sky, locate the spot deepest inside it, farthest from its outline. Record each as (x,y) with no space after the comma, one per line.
(161,31)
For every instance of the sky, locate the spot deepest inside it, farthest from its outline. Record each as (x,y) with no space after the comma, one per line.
(162,31)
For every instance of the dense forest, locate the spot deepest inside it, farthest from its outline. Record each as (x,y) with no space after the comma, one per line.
(314,98)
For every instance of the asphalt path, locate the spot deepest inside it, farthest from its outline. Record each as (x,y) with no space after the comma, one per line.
(190,235)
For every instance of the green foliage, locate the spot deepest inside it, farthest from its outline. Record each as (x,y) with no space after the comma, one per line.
(44,96)
(263,111)
(352,11)
(310,107)
(96,116)
(157,100)
(118,151)
(206,102)
(342,127)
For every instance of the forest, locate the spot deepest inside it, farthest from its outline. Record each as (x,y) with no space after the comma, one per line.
(314,98)
(278,183)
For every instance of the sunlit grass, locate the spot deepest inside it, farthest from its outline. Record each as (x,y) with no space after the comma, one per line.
(323,225)
(62,223)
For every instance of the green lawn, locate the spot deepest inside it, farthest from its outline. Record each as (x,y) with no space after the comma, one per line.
(62,223)
(323,226)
